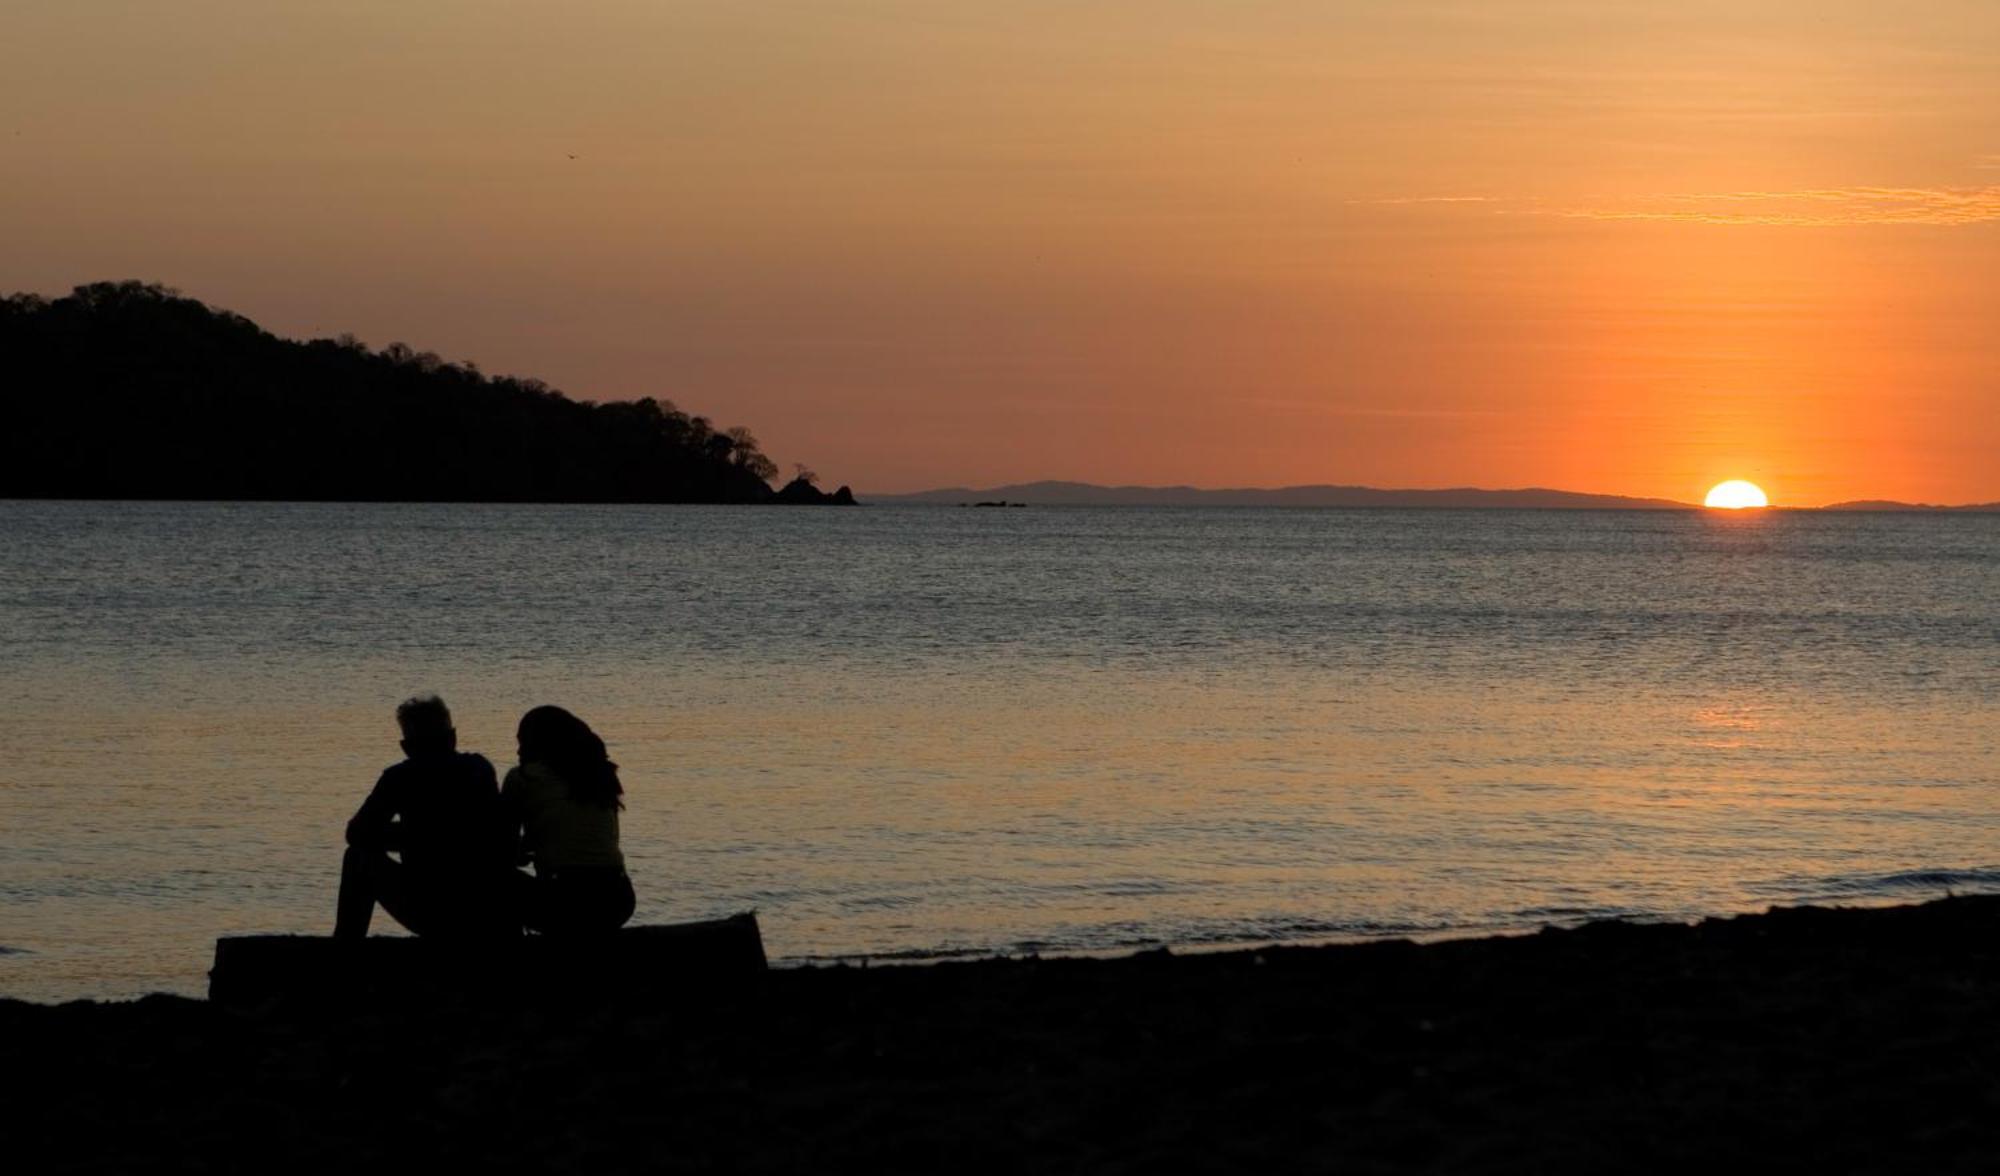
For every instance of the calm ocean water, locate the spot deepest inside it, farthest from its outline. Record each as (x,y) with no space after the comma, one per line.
(914,731)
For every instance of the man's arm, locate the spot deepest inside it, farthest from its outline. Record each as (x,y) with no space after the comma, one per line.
(374,826)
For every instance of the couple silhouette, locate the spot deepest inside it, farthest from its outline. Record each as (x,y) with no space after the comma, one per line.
(459,840)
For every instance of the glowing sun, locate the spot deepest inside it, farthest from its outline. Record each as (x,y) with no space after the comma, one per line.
(1735,495)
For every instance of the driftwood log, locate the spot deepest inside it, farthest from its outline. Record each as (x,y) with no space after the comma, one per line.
(633,962)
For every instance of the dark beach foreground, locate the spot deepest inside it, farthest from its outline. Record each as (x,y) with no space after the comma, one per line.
(1803,1040)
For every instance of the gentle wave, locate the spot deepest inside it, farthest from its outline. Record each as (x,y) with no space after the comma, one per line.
(1899,884)
(1221,934)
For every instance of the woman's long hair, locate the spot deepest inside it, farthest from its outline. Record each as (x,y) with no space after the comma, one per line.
(557,739)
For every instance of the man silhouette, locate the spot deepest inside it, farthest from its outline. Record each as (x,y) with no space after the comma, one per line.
(440,810)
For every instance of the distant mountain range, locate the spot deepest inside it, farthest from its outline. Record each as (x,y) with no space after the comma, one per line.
(1457,498)
(1085,494)
(1880,504)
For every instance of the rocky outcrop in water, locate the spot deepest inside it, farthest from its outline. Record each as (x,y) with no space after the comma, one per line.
(801,492)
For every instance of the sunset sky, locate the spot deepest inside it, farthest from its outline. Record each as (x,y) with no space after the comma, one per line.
(1630,248)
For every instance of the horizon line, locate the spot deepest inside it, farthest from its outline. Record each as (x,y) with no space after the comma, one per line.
(1887,505)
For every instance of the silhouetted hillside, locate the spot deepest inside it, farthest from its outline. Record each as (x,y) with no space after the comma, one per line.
(128,390)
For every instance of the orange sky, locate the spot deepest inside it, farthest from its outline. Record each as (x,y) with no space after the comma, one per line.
(1632,248)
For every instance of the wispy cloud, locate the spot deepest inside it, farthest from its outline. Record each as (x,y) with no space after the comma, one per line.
(1801,208)
(1811,207)
(1430,200)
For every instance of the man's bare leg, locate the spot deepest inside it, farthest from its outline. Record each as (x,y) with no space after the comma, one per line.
(365,879)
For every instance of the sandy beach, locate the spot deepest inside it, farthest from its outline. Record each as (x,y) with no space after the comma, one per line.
(1800,1040)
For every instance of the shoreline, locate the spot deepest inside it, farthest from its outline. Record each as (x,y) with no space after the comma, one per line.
(1842,1039)
(1021,953)
(1029,953)
(1470,932)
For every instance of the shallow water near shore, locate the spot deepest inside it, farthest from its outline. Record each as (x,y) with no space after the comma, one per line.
(915,731)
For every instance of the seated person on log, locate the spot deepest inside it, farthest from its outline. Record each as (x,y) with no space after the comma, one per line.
(440,810)
(564,800)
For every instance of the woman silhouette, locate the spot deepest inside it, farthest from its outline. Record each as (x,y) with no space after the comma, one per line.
(564,800)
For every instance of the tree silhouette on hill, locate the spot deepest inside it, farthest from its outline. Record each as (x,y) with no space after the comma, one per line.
(129,390)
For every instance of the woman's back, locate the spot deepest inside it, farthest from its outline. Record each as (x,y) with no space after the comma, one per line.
(565,797)
(560,831)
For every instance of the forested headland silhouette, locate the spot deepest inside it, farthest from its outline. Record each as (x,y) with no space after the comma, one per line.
(129,390)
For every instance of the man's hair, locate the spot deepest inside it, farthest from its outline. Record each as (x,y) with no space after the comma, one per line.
(424,719)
